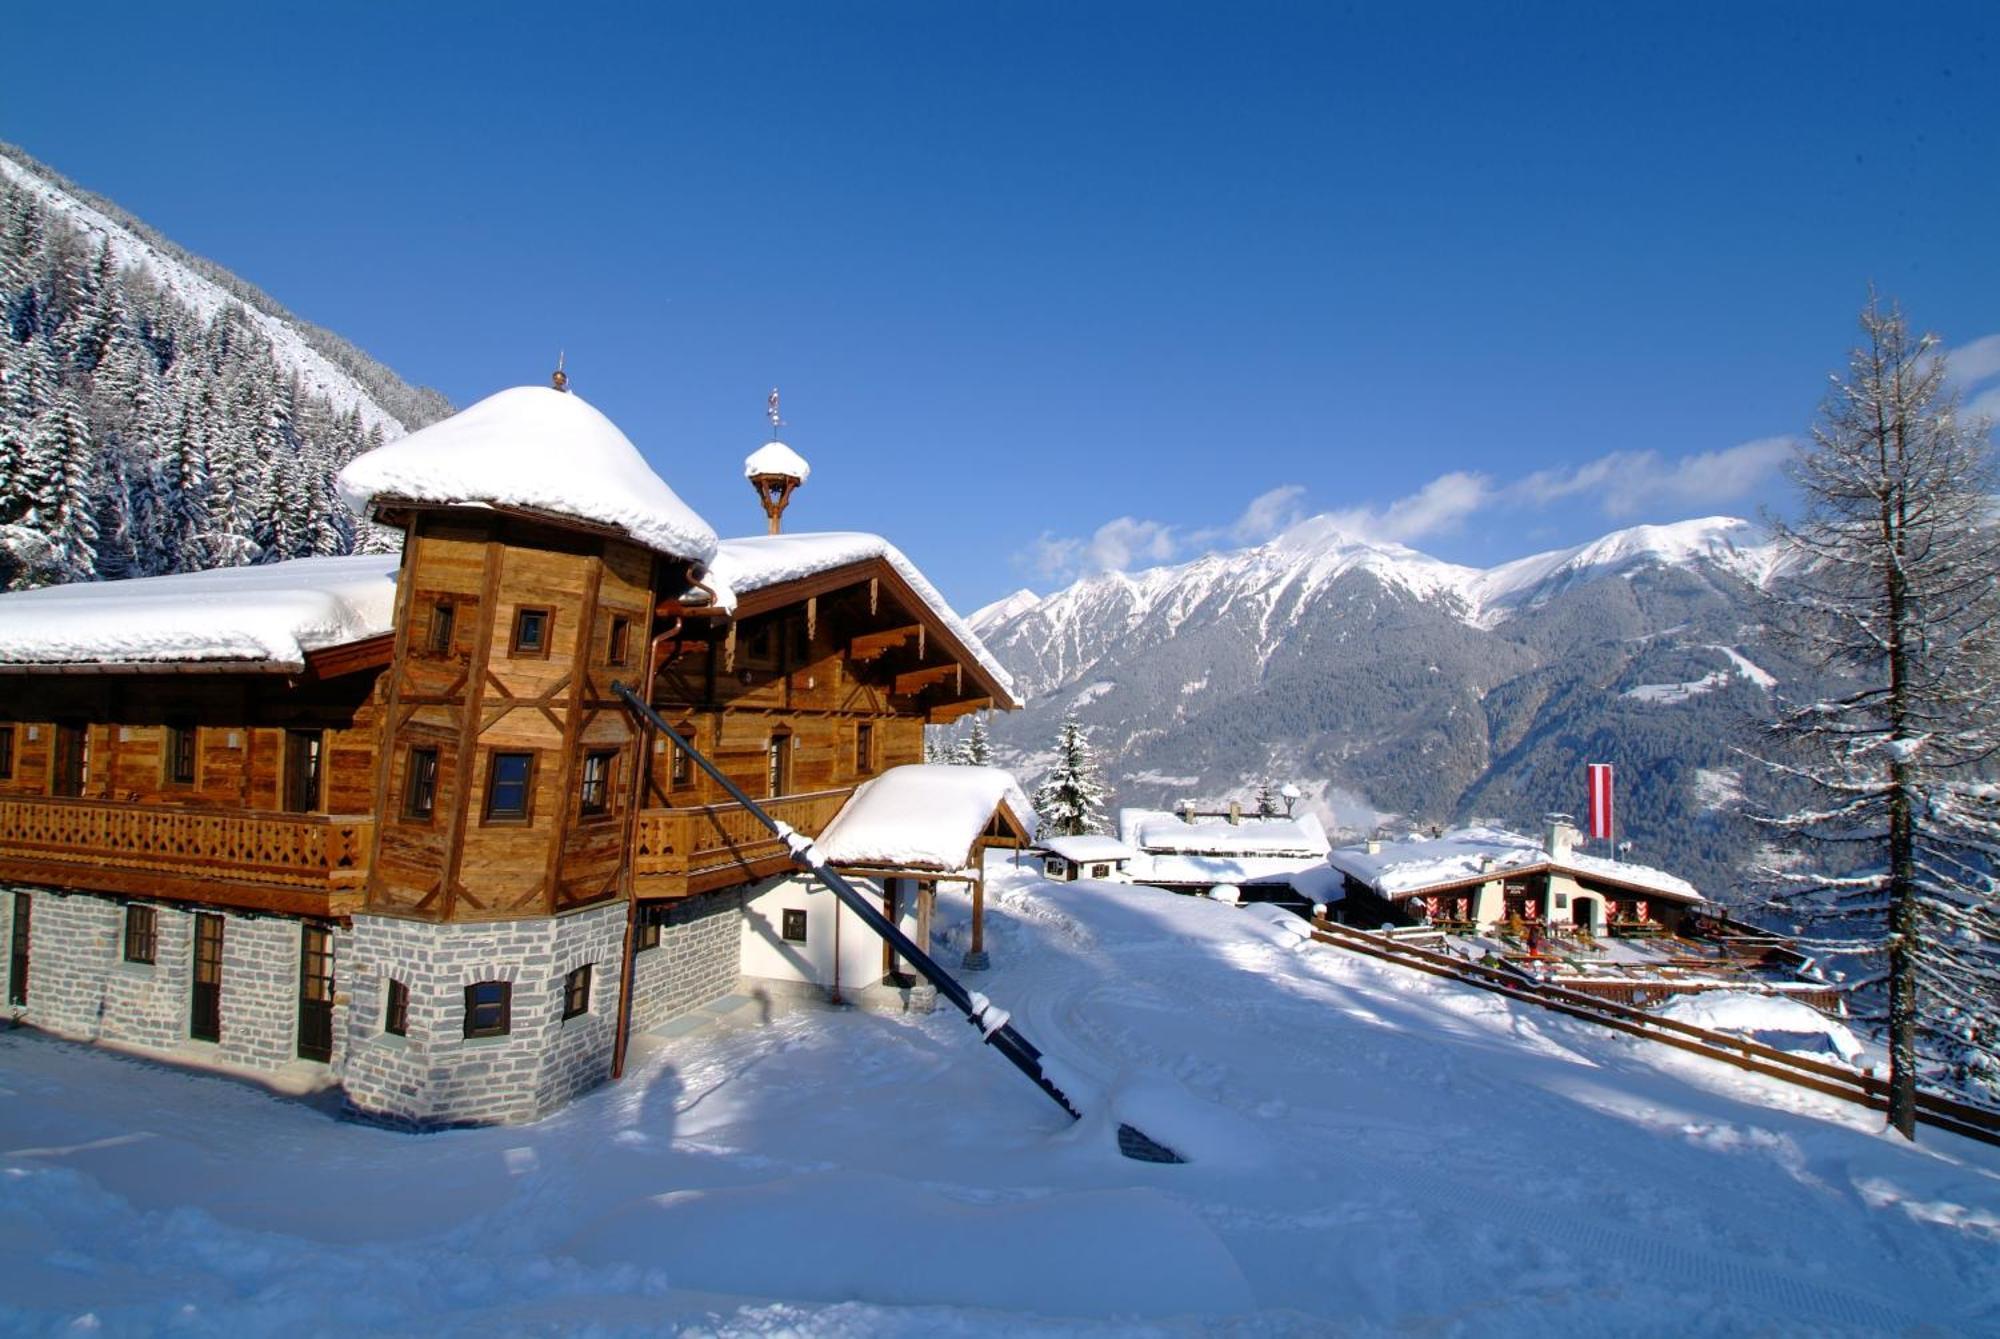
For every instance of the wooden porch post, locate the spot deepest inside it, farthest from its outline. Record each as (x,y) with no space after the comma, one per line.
(975,959)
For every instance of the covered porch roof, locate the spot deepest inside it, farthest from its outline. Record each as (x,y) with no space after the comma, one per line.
(927,818)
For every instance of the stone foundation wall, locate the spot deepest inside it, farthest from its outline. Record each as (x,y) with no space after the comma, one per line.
(699,960)
(435,1075)
(80,986)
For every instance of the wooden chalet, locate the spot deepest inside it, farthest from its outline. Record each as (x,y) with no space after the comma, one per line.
(385,815)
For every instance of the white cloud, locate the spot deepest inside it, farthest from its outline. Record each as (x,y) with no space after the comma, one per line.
(1985,405)
(1970,364)
(1619,486)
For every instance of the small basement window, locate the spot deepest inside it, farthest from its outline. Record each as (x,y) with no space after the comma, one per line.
(795,926)
(509,786)
(420,785)
(576,992)
(396,1018)
(594,799)
(142,934)
(649,931)
(532,626)
(489,1008)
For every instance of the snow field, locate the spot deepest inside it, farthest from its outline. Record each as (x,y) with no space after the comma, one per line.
(1372,1151)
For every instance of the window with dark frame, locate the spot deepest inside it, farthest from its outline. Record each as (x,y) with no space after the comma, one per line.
(489,1009)
(620,642)
(761,646)
(444,624)
(180,754)
(305,752)
(531,630)
(794,928)
(396,1018)
(17,952)
(420,785)
(142,934)
(683,767)
(205,998)
(72,760)
(576,992)
(6,753)
(864,748)
(778,778)
(594,794)
(315,993)
(509,787)
(649,930)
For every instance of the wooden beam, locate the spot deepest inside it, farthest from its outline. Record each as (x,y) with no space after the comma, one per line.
(917,680)
(368,653)
(944,713)
(874,645)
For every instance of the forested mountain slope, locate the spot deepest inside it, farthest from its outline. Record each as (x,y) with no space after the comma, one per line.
(157,414)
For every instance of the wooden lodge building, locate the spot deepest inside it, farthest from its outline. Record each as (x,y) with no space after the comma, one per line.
(384,815)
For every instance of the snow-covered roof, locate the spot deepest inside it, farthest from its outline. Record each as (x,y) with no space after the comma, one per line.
(1088,847)
(537,448)
(1772,1019)
(922,816)
(271,615)
(1471,855)
(776,458)
(1188,871)
(754,562)
(1154,830)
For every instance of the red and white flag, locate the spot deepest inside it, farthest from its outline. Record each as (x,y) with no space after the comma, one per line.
(1600,800)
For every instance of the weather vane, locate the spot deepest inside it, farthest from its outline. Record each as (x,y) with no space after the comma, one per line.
(561,378)
(771,412)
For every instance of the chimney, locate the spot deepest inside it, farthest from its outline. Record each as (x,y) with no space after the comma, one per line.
(1235,814)
(1559,836)
(1373,846)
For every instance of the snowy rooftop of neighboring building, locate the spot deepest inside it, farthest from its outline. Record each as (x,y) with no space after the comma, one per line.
(776,458)
(1088,847)
(1191,871)
(269,616)
(925,816)
(1471,855)
(1154,830)
(539,449)
(756,561)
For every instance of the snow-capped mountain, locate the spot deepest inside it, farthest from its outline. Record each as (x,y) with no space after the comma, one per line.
(1396,687)
(326,365)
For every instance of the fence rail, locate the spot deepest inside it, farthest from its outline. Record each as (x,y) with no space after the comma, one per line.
(1867,1090)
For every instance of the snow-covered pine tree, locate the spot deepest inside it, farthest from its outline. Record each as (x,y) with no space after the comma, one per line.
(1071,801)
(56,476)
(978,745)
(1267,800)
(1896,592)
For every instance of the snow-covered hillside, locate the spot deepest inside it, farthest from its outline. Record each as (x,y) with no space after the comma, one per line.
(1373,1152)
(319,374)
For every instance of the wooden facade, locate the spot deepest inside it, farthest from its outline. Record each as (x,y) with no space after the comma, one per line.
(474,764)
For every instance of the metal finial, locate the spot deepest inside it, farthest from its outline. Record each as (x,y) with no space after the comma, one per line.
(771,412)
(561,378)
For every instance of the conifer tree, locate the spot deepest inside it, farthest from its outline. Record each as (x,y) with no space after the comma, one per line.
(1896,593)
(1267,800)
(1071,801)
(56,480)
(978,746)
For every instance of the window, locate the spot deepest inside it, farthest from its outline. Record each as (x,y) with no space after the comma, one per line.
(6,753)
(444,622)
(620,641)
(761,646)
(576,992)
(864,748)
(396,1019)
(532,625)
(72,761)
(142,934)
(17,965)
(795,926)
(420,782)
(509,787)
(489,1009)
(1055,867)
(180,754)
(778,778)
(315,993)
(649,930)
(595,796)
(303,758)
(683,772)
(205,1003)
(1100,871)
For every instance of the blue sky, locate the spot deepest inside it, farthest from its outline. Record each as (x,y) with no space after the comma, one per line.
(1054,287)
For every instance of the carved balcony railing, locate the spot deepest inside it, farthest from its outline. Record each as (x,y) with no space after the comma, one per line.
(295,862)
(681,851)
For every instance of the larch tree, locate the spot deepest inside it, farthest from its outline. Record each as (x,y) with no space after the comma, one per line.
(1071,801)
(1894,592)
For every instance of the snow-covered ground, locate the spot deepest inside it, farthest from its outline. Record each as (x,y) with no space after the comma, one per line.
(1373,1151)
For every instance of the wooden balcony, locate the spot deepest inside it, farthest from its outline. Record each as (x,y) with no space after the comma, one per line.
(303,864)
(679,852)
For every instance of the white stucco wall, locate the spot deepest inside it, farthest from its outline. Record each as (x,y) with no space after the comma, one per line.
(767,954)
